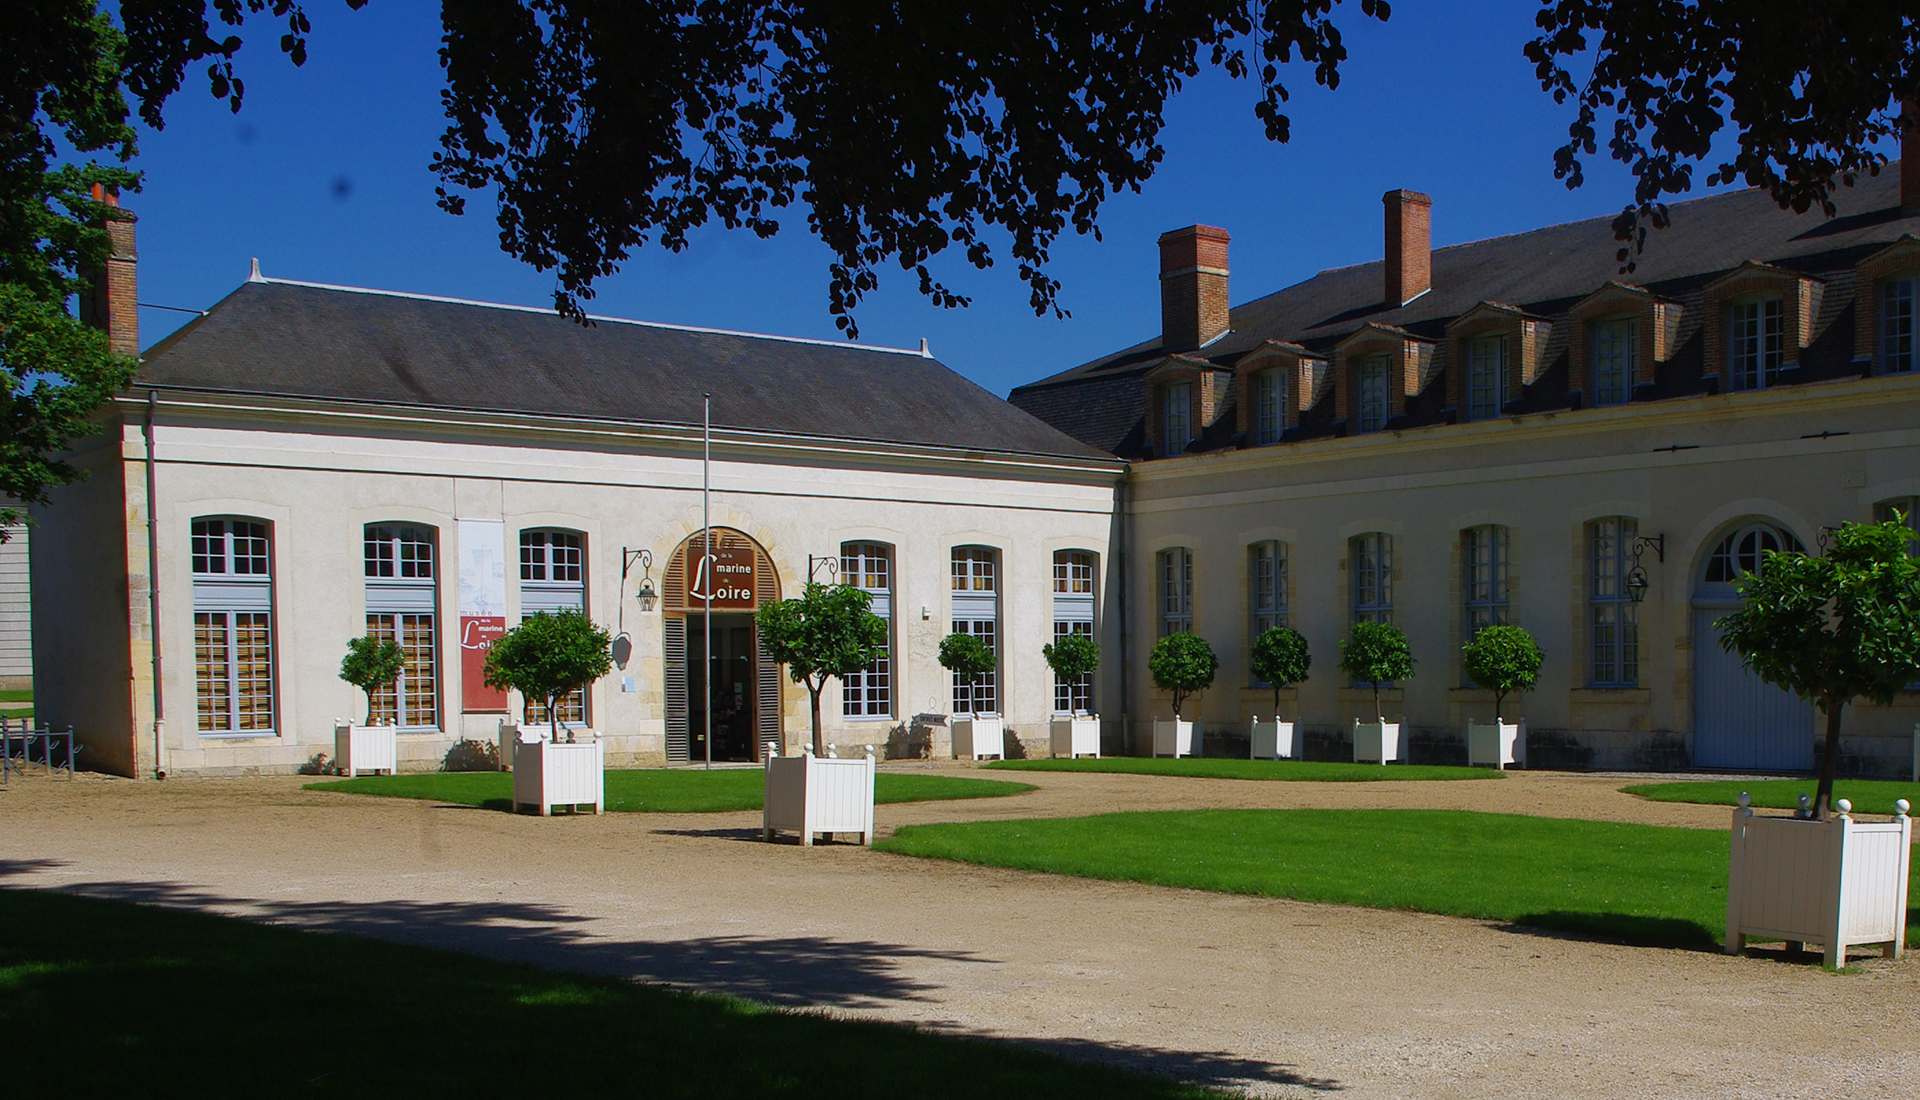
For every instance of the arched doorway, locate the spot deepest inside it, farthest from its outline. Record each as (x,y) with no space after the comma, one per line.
(1740,720)
(744,687)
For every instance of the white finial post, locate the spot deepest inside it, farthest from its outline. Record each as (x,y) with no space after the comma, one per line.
(1900,807)
(1844,807)
(925,351)
(254,275)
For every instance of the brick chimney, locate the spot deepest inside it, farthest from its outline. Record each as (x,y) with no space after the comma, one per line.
(1193,287)
(1409,246)
(109,304)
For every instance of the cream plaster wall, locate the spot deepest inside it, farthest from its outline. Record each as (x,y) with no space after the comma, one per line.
(1544,476)
(318,488)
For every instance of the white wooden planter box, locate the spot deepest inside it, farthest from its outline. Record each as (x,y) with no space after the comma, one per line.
(359,749)
(979,736)
(1839,882)
(807,795)
(1378,742)
(1075,735)
(512,736)
(1275,740)
(1497,744)
(1176,738)
(546,774)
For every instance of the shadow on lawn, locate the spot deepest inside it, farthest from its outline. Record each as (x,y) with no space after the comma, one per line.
(1219,1069)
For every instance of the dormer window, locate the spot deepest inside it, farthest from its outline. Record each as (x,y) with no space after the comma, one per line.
(1374,402)
(1177,406)
(1269,403)
(1896,324)
(1756,351)
(1486,377)
(1616,360)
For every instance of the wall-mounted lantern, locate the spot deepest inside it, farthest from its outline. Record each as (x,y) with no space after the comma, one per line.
(645,595)
(1637,581)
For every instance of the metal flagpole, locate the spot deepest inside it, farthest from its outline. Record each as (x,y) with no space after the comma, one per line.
(706,564)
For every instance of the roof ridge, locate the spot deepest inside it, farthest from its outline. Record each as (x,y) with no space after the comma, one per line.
(915,352)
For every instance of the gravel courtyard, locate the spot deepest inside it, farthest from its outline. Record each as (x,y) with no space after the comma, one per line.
(1279,998)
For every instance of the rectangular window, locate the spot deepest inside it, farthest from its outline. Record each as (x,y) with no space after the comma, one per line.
(868,566)
(1178,414)
(1371,556)
(1486,377)
(976,611)
(1484,550)
(1270,397)
(1267,587)
(1616,360)
(1373,393)
(1615,628)
(551,581)
(1905,509)
(1755,345)
(1072,614)
(1896,325)
(401,607)
(232,627)
(1176,591)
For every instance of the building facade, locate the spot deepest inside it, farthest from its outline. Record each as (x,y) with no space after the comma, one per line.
(1514,431)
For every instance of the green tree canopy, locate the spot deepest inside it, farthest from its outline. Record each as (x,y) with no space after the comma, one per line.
(1376,653)
(1183,664)
(1280,657)
(827,631)
(1502,659)
(371,664)
(966,656)
(548,656)
(1072,656)
(1834,628)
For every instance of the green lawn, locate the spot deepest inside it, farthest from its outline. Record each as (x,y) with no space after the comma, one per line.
(1871,796)
(1318,771)
(1635,883)
(660,790)
(110,999)
(24,695)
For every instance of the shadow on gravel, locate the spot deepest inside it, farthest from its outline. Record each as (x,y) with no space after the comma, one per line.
(742,833)
(1216,1068)
(790,971)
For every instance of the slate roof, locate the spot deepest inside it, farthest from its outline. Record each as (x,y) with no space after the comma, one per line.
(1544,272)
(273,337)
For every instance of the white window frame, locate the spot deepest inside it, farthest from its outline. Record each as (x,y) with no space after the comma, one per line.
(1370,558)
(1615,351)
(401,563)
(233,627)
(1174,583)
(1375,405)
(1270,397)
(1177,417)
(1074,577)
(553,578)
(1486,555)
(868,694)
(1756,342)
(1266,592)
(1896,302)
(975,577)
(1613,624)
(1486,376)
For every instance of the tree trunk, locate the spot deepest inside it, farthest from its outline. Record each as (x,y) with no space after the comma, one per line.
(819,746)
(1377,716)
(1823,796)
(1499,697)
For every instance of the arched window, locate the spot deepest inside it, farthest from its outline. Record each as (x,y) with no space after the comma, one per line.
(1744,551)
(1176,591)
(1371,559)
(1613,624)
(553,579)
(233,627)
(868,566)
(402,607)
(976,611)
(1073,572)
(1484,552)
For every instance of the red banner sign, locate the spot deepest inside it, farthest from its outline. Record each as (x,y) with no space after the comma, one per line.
(730,573)
(477,635)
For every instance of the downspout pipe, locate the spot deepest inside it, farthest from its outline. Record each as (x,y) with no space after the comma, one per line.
(1122,570)
(153,595)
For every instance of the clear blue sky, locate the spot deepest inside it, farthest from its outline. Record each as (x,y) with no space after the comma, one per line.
(324,176)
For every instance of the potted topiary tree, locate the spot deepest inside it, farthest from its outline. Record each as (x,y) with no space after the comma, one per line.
(976,734)
(1183,664)
(547,657)
(1280,657)
(1376,653)
(1830,629)
(1502,659)
(829,631)
(1072,656)
(370,665)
